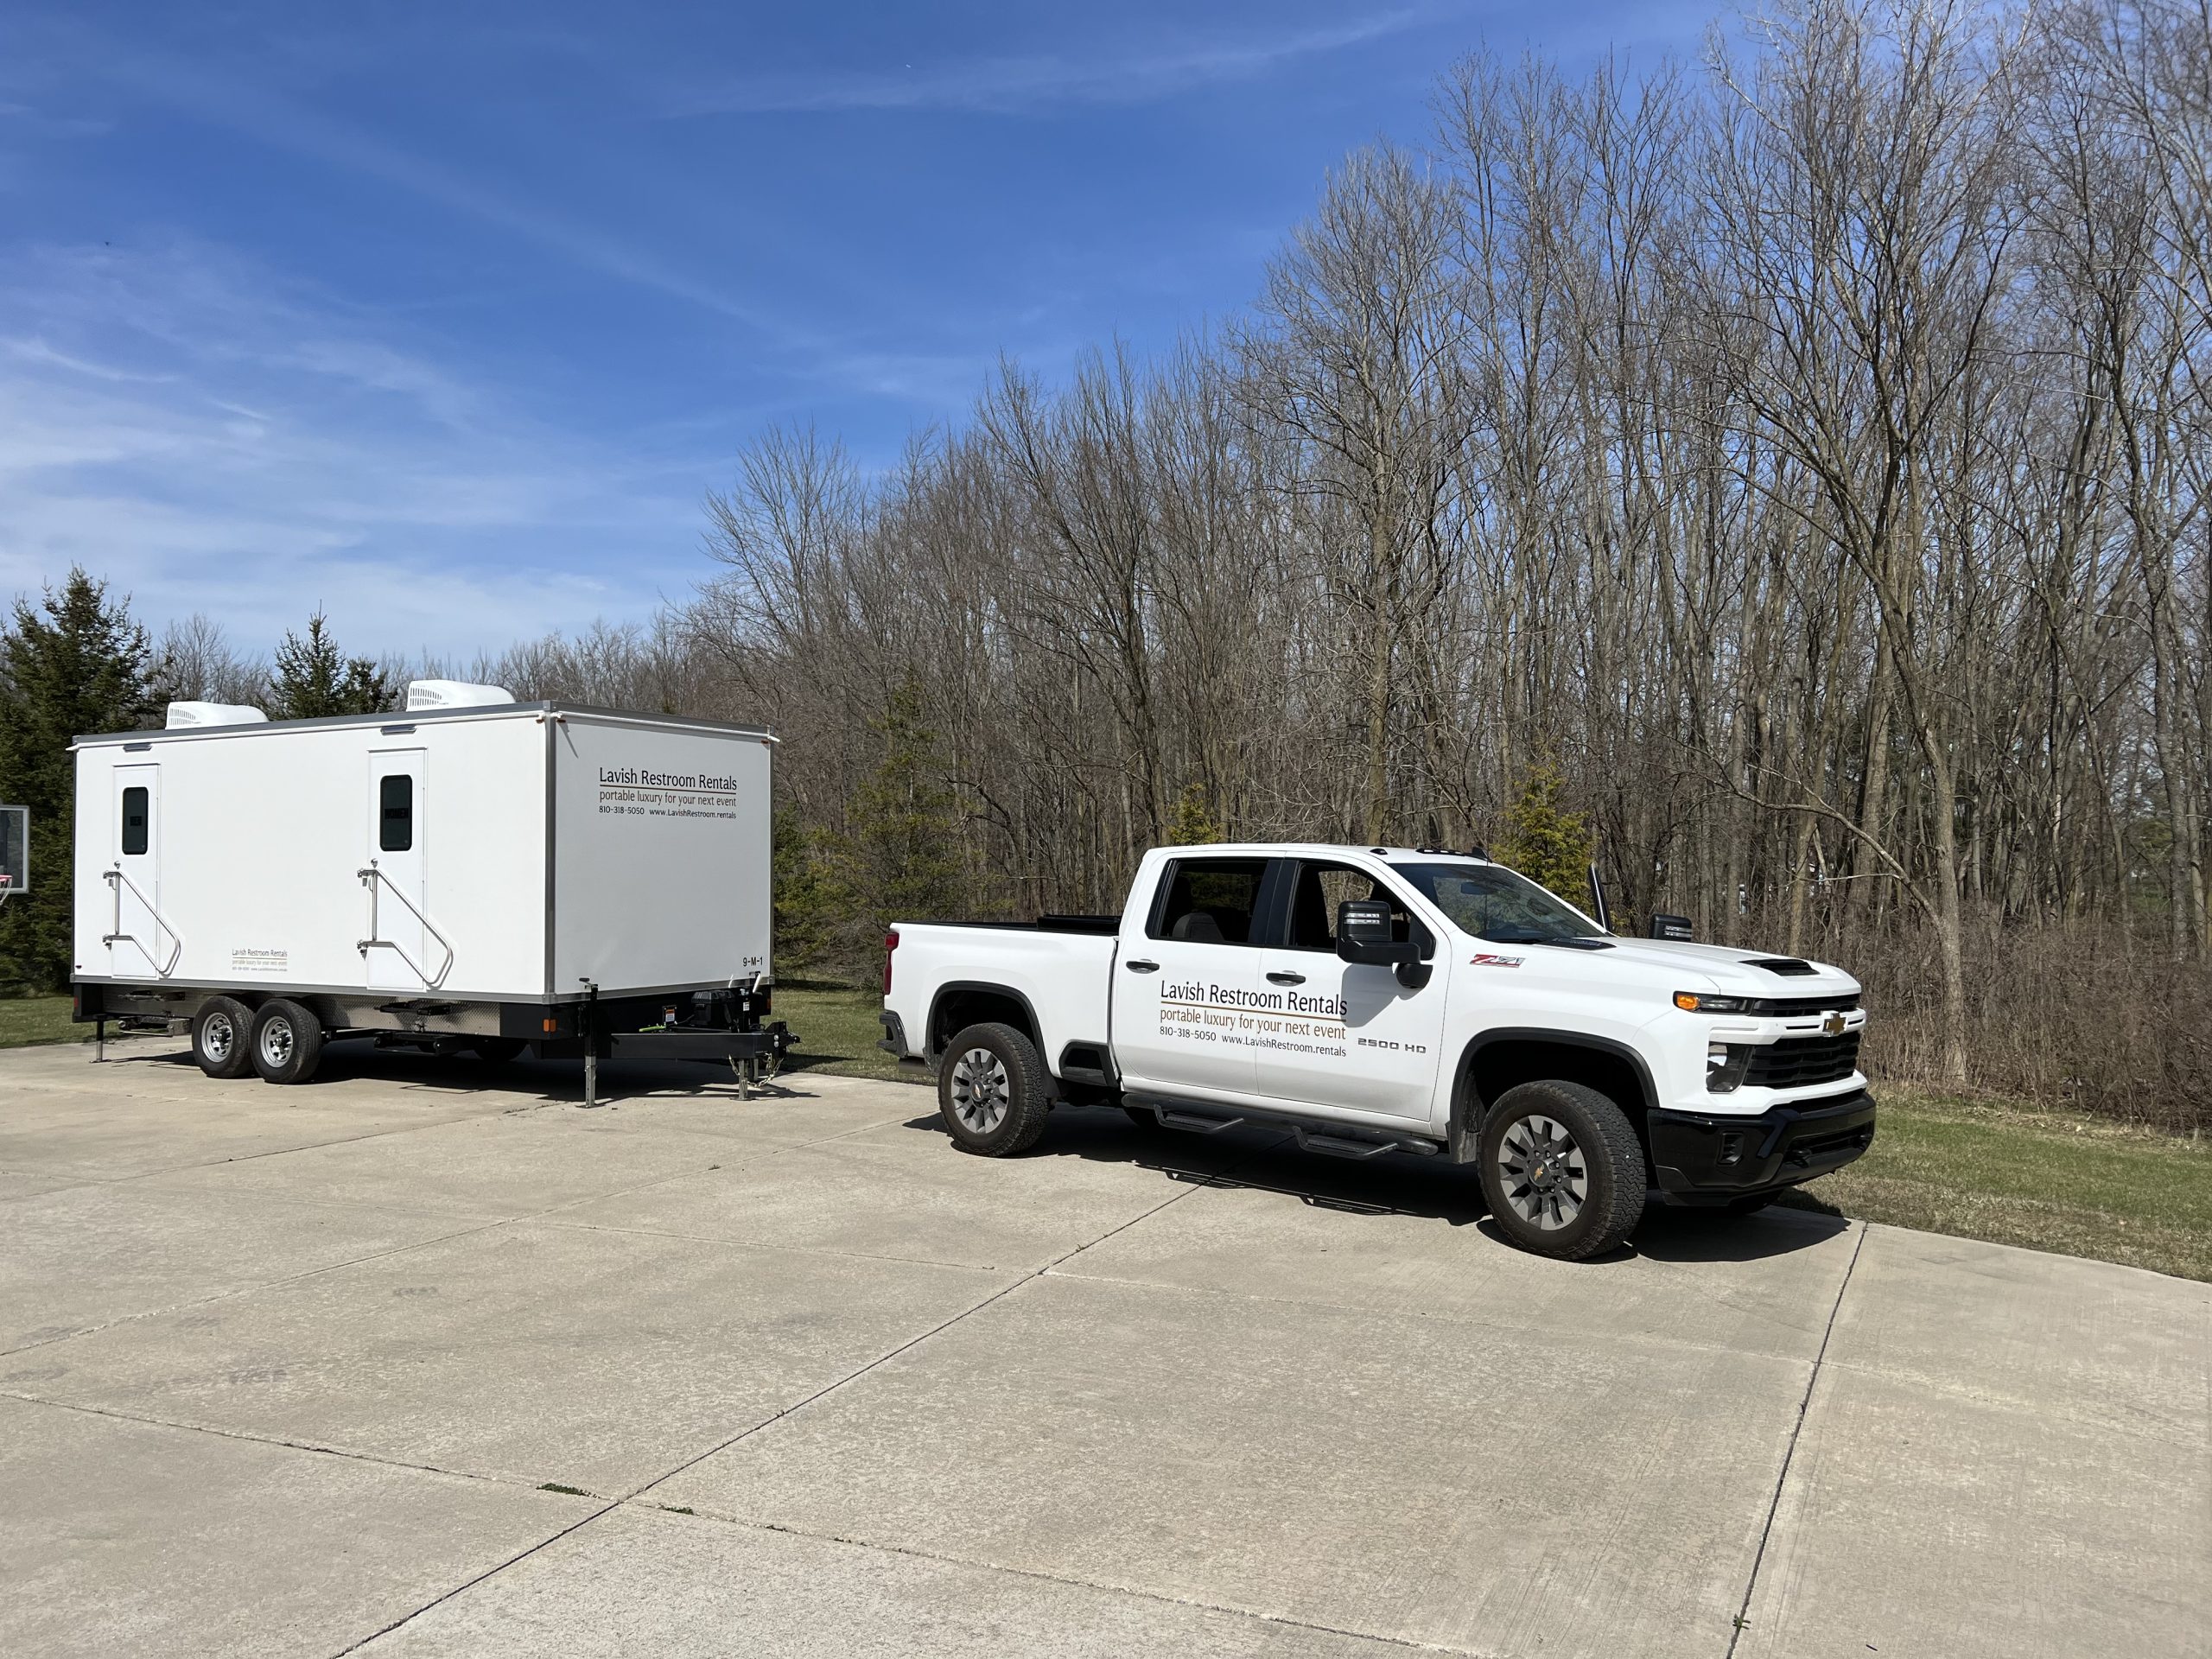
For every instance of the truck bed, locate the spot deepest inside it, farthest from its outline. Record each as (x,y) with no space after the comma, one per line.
(1061,966)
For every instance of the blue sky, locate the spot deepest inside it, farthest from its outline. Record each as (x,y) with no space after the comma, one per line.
(444,318)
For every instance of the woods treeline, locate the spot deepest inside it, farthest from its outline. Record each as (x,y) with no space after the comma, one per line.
(1805,460)
(1783,480)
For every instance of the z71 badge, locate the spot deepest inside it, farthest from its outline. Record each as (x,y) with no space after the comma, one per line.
(1488,961)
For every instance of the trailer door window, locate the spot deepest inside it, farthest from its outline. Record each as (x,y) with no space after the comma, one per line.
(137,822)
(396,813)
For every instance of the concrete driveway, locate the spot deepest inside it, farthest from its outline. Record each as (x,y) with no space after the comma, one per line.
(401,1364)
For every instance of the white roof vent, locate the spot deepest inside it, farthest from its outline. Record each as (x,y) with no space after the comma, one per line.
(214,714)
(425,694)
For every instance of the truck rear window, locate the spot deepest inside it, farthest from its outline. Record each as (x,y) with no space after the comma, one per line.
(1209,900)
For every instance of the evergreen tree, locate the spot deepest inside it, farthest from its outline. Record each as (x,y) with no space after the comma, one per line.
(74,663)
(903,842)
(1191,823)
(814,898)
(315,678)
(1544,842)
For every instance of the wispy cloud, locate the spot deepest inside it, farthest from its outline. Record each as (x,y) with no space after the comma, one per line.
(1021,84)
(213,440)
(289,126)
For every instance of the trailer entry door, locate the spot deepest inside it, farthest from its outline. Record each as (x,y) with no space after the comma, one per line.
(397,951)
(137,944)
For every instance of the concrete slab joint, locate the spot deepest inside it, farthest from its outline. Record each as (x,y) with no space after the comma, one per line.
(411,1368)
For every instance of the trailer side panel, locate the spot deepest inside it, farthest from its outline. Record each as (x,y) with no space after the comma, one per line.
(234,857)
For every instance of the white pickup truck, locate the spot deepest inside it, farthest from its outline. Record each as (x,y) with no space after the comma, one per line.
(1378,999)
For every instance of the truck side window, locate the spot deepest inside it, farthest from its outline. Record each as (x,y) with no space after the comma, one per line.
(137,822)
(1321,888)
(396,813)
(1209,900)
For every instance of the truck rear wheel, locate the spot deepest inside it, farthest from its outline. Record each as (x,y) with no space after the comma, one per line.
(1562,1170)
(287,1042)
(992,1090)
(496,1050)
(221,1034)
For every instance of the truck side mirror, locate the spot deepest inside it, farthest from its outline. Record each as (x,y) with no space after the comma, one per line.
(1363,935)
(1671,927)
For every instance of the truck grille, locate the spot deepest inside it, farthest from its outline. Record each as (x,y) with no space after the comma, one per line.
(1796,1061)
(1792,1005)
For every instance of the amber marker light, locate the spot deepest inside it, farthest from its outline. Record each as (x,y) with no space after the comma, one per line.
(1705,1002)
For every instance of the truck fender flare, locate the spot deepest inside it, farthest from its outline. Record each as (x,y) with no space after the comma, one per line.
(1467,1111)
(953,988)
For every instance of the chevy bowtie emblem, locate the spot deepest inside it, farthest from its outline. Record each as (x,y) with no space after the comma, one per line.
(1832,1024)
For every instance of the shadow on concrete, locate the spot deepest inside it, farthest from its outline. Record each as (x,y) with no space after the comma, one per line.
(1427,1189)
(541,1082)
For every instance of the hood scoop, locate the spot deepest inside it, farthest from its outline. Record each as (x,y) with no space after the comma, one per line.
(1788,965)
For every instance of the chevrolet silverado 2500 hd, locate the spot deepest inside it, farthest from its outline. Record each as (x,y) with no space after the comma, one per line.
(1373,1000)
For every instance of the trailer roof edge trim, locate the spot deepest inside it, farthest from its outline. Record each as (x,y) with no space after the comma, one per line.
(424,716)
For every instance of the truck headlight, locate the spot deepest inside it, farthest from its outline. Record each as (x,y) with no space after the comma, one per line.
(1705,1002)
(1725,1065)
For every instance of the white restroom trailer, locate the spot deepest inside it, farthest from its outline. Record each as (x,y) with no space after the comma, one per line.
(579,880)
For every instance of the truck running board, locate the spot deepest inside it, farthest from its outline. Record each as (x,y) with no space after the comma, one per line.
(1197,1123)
(1337,1146)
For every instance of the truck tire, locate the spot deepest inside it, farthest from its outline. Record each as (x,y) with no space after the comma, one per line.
(1562,1170)
(993,1090)
(496,1050)
(287,1042)
(222,1034)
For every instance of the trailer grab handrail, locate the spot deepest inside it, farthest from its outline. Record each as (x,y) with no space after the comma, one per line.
(116,881)
(370,877)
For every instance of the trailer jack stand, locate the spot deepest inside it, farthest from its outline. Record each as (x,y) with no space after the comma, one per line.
(591,1044)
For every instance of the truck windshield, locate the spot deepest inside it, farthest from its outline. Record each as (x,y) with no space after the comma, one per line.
(1492,902)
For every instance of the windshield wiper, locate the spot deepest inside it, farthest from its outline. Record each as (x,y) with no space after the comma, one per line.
(1570,941)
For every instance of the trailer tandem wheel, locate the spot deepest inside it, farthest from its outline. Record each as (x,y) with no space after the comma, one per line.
(222,1037)
(287,1042)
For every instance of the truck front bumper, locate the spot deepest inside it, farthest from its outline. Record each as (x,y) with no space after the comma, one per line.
(1698,1157)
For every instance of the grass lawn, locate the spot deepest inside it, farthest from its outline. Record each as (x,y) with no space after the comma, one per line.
(2049,1180)
(38,1020)
(837,1031)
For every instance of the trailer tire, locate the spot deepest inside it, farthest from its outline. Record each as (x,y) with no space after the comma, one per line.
(1562,1170)
(222,1037)
(497,1050)
(287,1042)
(993,1090)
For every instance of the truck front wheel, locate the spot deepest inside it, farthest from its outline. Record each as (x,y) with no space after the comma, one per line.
(992,1090)
(1562,1169)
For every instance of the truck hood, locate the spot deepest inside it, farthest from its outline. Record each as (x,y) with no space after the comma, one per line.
(1730,968)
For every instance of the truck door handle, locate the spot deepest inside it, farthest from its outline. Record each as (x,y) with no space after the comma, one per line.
(1141,967)
(1285,979)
